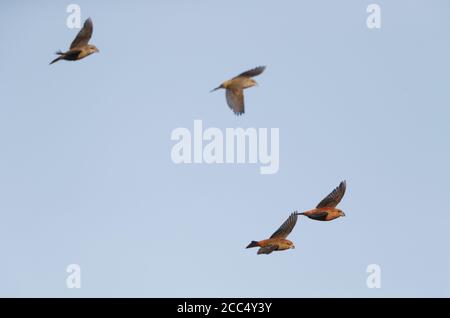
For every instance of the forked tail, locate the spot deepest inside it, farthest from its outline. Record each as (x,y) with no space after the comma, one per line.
(218,87)
(253,244)
(58,58)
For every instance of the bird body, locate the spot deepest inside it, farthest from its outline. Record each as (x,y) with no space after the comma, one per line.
(86,51)
(280,244)
(239,82)
(323,214)
(79,48)
(235,88)
(326,210)
(278,241)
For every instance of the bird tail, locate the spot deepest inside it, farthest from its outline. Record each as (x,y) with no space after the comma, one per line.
(56,60)
(253,244)
(218,87)
(61,56)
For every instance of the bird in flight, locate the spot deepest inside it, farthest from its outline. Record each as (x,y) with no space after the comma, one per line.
(80,47)
(235,88)
(326,209)
(278,241)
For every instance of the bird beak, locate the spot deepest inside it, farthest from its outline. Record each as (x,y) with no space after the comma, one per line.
(97,50)
(343,214)
(293,246)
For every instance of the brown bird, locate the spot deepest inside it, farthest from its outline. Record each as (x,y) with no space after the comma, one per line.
(326,209)
(278,241)
(235,88)
(79,48)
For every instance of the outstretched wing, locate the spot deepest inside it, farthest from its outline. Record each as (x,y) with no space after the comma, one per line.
(334,197)
(84,35)
(286,227)
(235,100)
(253,72)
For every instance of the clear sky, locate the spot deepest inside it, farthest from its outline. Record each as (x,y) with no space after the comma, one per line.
(86,175)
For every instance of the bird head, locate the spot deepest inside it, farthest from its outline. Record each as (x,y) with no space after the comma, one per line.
(92,49)
(252,82)
(341,213)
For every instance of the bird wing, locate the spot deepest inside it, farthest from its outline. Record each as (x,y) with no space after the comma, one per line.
(253,72)
(84,35)
(235,100)
(286,227)
(268,249)
(333,199)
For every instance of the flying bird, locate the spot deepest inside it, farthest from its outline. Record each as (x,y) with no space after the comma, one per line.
(278,241)
(235,88)
(80,47)
(326,209)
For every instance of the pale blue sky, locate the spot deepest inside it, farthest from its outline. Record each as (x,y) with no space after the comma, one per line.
(85,169)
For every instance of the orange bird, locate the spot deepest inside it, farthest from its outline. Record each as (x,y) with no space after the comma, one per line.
(277,242)
(326,209)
